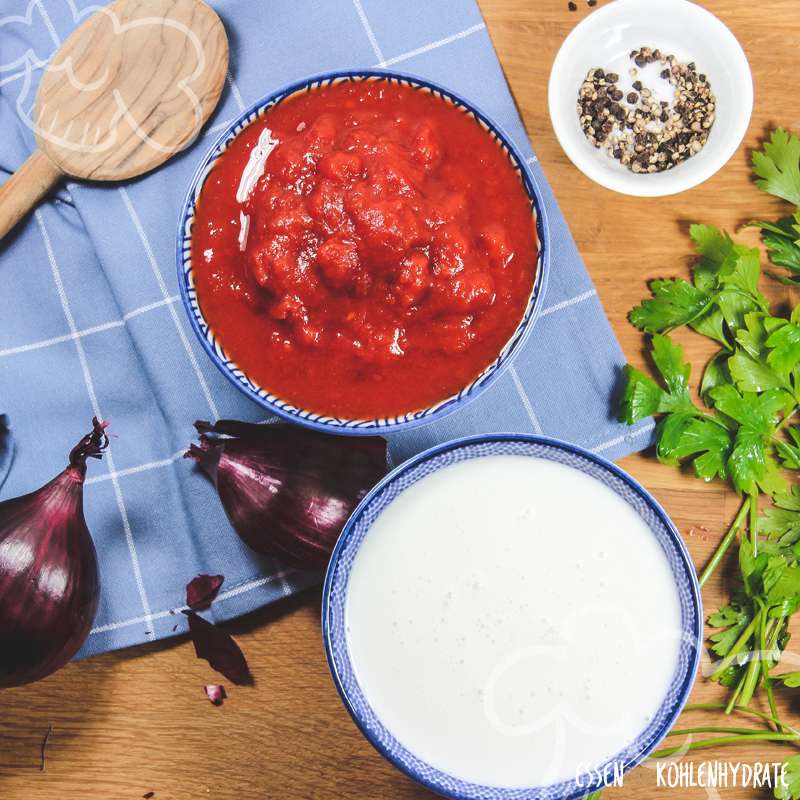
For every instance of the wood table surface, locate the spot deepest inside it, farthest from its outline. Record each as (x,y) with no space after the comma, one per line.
(129,723)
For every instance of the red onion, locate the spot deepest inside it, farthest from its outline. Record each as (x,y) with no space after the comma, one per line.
(49,585)
(215,693)
(201,591)
(288,491)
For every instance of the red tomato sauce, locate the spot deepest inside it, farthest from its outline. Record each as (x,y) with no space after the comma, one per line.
(389,256)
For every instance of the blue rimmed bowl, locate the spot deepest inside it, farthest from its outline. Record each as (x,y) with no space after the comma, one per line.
(637,497)
(215,348)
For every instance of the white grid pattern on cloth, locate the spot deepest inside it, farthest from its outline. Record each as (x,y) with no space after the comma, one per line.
(234,592)
(368,30)
(87,375)
(170,301)
(151,259)
(426,48)
(106,326)
(388,62)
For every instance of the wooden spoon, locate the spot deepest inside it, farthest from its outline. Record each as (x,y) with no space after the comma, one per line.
(132,86)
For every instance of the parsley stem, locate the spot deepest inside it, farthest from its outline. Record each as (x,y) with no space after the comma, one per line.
(742,710)
(786,420)
(734,699)
(725,543)
(767,736)
(754,523)
(765,674)
(709,729)
(753,667)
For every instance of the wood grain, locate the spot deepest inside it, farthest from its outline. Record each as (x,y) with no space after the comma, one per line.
(138,721)
(129,88)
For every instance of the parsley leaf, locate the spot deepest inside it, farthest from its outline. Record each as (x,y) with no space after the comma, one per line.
(715,374)
(761,412)
(789,787)
(734,619)
(712,324)
(723,263)
(710,242)
(750,463)
(781,522)
(782,240)
(752,367)
(681,436)
(752,375)
(790,451)
(785,344)
(725,289)
(790,679)
(644,397)
(778,166)
(674,303)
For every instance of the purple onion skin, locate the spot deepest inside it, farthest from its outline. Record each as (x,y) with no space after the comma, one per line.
(289,491)
(49,583)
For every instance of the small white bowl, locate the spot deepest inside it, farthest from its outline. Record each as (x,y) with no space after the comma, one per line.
(678,27)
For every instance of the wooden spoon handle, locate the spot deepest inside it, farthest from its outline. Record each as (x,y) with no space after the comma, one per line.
(25,188)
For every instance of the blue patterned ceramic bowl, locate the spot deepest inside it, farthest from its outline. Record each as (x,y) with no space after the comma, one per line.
(358,527)
(261,394)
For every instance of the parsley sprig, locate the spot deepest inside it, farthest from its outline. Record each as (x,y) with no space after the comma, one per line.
(779,175)
(745,430)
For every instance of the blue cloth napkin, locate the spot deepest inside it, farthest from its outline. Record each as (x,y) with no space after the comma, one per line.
(6,449)
(91,324)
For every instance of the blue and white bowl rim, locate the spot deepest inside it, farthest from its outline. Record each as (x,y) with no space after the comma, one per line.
(416,468)
(328,424)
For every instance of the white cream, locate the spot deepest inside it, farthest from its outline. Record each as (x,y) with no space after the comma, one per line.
(256,164)
(512,621)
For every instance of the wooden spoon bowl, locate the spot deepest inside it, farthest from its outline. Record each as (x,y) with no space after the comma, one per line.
(129,88)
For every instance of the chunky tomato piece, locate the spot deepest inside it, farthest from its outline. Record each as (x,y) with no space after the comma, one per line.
(426,148)
(450,250)
(326,204)
(273,263)
(497,245)
(413,279)
(341,166)
(339,262)
(290,308)
(387,228)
